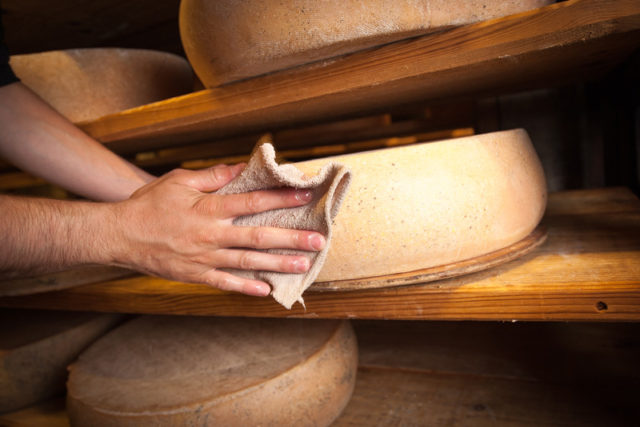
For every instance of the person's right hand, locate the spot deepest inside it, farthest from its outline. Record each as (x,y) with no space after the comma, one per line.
(175,228)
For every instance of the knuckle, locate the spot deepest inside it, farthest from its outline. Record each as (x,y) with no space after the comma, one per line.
(297,239)
(247,260)
(219,173)
(253,202)
(224,284)
(259,238)
(230,283)
(175,173)
(219,205)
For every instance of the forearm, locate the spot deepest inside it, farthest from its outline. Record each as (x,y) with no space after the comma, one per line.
(42,235)
(39,140)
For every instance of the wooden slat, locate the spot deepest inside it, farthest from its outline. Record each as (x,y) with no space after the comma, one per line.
(51,413)
(589,269)
(476,373)
(562,41)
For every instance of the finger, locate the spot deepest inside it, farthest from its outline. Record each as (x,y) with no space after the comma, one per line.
(229,282)
(235,205)
(210,179)
(271,238)
(255,260)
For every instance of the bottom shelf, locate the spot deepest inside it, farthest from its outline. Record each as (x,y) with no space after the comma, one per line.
(476,374)
(463,373)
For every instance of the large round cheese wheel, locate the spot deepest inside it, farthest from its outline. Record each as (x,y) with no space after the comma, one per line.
(175,371)
(432,204)
(37,346)
(228,40)
(84,84)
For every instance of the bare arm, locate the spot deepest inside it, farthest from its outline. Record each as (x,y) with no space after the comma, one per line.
(173,227)
(37,139)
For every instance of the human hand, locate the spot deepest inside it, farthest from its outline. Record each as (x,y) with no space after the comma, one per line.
(173,227)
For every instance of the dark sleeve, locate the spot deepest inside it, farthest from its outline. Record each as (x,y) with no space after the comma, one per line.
(6,73)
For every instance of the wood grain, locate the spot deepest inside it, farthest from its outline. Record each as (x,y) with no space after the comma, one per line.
(555,43)
(50,413)
(487,373)
(61,280)
(589,269)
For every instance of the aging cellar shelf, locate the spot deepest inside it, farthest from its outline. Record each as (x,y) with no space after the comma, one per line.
(548,46)
(588,269)
(475,373)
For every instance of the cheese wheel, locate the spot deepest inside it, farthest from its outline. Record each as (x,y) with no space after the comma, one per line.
(229,40)
(432,204)
(84,84)
(174,370)
(37,346)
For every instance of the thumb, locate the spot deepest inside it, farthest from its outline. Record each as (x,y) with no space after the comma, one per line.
(213,178)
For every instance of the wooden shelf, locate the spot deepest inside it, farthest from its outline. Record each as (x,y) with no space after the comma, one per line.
(589,269)
(548,46)
(475,373)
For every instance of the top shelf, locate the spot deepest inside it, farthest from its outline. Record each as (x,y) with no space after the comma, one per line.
(547,46)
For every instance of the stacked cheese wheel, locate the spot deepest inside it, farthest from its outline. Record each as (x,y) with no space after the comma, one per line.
(425,205)
(229,40)
(84,84)
(37,346)
(173,371)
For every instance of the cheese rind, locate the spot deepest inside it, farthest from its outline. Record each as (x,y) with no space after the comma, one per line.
(432,204)
(174,370)
(36,347)
(230,40)
(85,84)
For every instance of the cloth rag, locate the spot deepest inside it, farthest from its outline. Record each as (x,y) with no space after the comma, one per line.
(328,187)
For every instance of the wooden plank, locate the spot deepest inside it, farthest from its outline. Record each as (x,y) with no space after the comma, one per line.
(477,373)
(526,351)
(562,41)
(589,269)
(51,413)
(13,180)
(388,397)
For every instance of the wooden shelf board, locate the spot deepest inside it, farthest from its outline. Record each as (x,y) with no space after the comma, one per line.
(462,373)
(589,269)
(475,373)
(541,47)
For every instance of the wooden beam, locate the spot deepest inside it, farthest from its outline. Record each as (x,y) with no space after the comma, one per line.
(562,41)
(588,269)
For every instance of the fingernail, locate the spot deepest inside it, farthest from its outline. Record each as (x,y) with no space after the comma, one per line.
(303,195)
(238,168)
(262,290)
(300,265)
(316,241)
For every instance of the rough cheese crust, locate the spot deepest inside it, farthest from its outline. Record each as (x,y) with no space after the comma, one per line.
(425,205)
(36,347)
(230,40)
(176,370)
(85,84)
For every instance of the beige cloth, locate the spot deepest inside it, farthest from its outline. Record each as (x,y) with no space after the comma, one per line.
(328,186)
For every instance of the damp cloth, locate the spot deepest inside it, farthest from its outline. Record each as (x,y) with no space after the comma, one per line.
(328,187)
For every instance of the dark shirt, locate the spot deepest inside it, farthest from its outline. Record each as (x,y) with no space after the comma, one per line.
(6,73)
